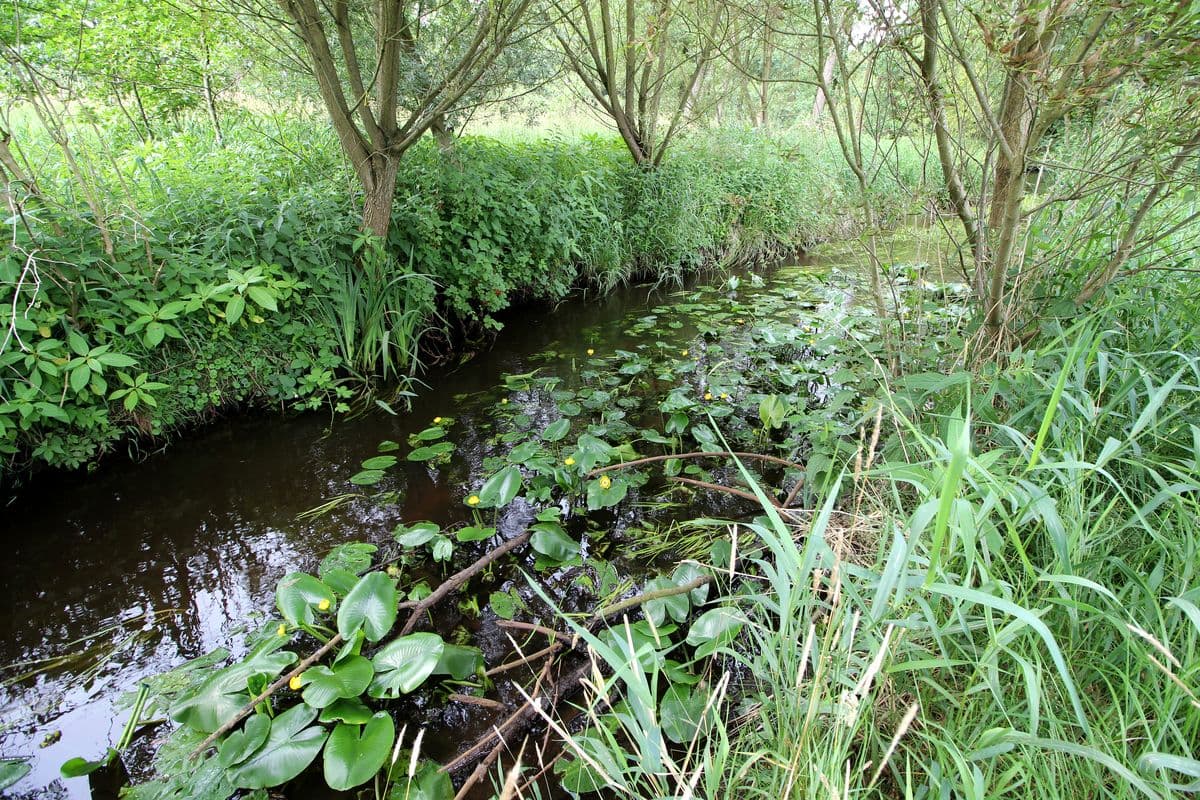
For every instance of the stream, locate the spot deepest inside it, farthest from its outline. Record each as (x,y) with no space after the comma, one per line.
(134,569)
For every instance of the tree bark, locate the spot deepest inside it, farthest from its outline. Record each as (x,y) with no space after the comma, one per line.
(377,203)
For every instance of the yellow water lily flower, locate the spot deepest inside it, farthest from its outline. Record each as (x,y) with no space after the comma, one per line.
(591,352)
(570,462)
(323,605)
(605,482)
(282,629)
(473,500)
(724,396)
(393,571)
(684,353)
(708,395)
(296,682)
(503,401)
(437,420)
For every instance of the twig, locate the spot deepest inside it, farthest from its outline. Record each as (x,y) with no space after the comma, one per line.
(726,489)
(459,578)
(708,454)
(524,660)
(529,626)
(646,597)
(472,700)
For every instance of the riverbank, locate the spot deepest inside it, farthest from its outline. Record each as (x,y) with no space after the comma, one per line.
(236,277)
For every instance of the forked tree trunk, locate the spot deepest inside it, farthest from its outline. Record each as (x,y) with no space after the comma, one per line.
(380,190)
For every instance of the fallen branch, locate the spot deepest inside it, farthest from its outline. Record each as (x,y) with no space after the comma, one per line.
(472,700)
(646,597)
(459,578)
(529,626)
(726,489)
(706,454)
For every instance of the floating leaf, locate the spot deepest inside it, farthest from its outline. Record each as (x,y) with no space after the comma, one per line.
(459,662)
(684,574)
(348,678)
(370,605)
(289,749)
(354,753)
(78,767)
(350,710)
(429,783)
(368,477)
(416,534)
(600,496)
(551,540)
(224,693)
(404,664)
(500,489)
(354,557)
(242,743)
(474,533)
(12,770)
(556,430)
(297,595)
(379,462)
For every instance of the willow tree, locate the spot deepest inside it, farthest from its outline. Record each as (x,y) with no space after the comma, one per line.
(643,62)
(389,71)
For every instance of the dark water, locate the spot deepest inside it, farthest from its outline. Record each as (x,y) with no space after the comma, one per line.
(134,569)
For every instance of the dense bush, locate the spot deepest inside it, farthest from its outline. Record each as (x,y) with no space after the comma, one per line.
(237,275)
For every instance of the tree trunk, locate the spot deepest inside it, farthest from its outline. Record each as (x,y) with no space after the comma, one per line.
(826,80)
(380,191)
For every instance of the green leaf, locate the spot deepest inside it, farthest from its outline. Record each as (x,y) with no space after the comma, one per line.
(416,534)
(289,749)
(224,693)
(354,557)
(12,770)
(556,430)
(80,377)
(354,753)
(459,662)
(297,595)
(599,497)
(367,477)
(430,783)
(682,712)
(404,664)
(677,605)
(242,743)
(78,767)
(714,629)
(379,462)
(155,333)
(349,678)
(499,490)
(263,297)
(474,533)
(551,540)
(370,605)
(684,574)
(350,710)
(442,548)
(234,309)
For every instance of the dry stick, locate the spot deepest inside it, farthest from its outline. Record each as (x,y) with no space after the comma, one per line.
(646,597)
(709,454)
(270,690)
(726,489)
(524,660)
(529,626)
(459,578)
(472,700)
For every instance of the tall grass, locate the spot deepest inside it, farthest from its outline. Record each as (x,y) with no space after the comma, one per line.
(1002,600)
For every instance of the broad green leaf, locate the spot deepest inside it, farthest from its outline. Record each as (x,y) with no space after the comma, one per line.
(499,490)
(289,749)
(350,710)
(234,309)
(379,462)
(241,744)
(355,753)
(556,430)
(714,629)
(367,477)
(474,533)
(223,694)
(348,678)
(677,605)
(416,534)
(682,711)
(551,540)
(354,557)
(684,574)
(12,770)
(429,783)
(78,767)
(298,594)
(263,297)
(600,497)
(370,605)
(459,662)
(404,664)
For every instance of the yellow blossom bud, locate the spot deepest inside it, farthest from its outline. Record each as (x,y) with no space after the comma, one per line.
(708,395)
(570,462)
(591,352)
(282,629)
(684,353)
(473,500)
(437,420)
(323,605)
(503,401)
(296,682)
(724,396)
(605,482)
